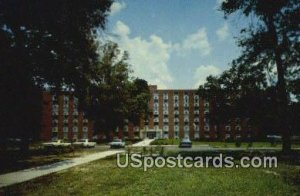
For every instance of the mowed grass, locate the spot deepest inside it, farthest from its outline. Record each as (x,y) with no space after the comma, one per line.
(103,177)
(218,144)
(15,160)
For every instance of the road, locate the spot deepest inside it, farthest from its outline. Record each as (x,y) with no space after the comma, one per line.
(29,174)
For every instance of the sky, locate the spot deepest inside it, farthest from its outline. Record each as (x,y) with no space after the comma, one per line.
(173,43)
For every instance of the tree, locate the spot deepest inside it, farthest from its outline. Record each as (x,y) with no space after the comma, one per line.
(114,96)
(50,42)
(138,101)
(272,39)
(234,93)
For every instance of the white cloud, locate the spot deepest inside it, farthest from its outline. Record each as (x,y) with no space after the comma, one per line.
(148,57)
(203,71)
(195,41)
(223,32)
(121,29)
(117,7)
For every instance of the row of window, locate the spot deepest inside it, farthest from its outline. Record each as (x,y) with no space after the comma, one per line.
(66,135)
(175,96)
(66,129)
(176,128)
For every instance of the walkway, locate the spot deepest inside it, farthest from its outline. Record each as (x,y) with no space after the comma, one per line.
(29,174)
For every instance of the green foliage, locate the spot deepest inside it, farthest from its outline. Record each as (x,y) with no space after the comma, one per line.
(271,41)
(113,95)
(49,43)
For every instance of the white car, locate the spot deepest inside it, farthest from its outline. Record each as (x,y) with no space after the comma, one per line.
(57,143)
(117,143)
(85,143)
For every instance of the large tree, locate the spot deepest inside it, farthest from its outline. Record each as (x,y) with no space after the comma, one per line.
(272,39)
(44,42)
(114,96)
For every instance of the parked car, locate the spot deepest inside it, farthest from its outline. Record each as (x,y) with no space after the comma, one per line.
(185,143)
(117,143)
(57,143)
(85,143)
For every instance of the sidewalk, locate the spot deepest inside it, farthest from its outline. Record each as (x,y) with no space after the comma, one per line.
(28,174)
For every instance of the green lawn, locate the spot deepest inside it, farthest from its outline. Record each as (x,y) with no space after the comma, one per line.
(104,178)
(13,160)
(218,144)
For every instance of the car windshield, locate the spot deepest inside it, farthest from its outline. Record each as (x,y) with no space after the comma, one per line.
(186,140)
(82,140)
(117,140)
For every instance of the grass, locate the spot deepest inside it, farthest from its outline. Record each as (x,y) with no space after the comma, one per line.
(104,178)
(218,144)
(13,160)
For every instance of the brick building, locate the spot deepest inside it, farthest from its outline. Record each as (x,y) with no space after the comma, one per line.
(61,118)
(176,113)
(179,113)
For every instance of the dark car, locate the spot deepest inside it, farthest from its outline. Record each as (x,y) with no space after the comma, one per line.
(185,143)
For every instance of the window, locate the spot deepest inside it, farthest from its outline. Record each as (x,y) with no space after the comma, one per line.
(165,96)
(228,128)
(206,128)
(75,129)
(186,128)
(65,129)
(227,136)
(85,129)
(54,129)
(65,135)
(166,128)
(176,134)
(238,128)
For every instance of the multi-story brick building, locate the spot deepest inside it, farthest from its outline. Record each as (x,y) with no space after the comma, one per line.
(62,119)
(179,113)
(176,113)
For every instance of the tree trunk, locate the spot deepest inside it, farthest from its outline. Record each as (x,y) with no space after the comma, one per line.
(282,96)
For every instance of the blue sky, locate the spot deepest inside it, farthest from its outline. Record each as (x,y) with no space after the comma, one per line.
(173,43)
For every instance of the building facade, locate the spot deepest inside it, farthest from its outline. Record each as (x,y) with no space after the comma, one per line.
(61,118)
(175,113)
